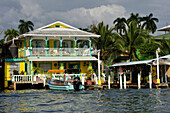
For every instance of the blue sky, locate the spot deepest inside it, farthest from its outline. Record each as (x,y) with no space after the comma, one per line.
(79,13)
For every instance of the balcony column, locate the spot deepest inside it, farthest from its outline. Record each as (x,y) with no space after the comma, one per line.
(75,46)
(46,45)
(61,40)
(30,46)
(25,46)
(90,44)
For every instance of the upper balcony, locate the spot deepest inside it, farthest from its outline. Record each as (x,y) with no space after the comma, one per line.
(58,52)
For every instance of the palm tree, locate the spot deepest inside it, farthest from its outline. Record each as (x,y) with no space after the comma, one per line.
(25,26)
(120,24)
(131,39)
(149,23)
(10,34)
(134,17)
(104,40)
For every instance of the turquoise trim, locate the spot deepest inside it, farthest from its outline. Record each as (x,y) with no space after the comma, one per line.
(30,46)
(61,45)
(14,60)
(30,42)
(90,44)
(75,46)
(48,45)
(46,42)
(55,43)
(75,42)
(59,65)
(30,68)
(71,44)
(61,42)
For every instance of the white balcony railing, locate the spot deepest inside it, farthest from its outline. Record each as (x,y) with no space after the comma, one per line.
(83,52)
(16,78)
(58,52)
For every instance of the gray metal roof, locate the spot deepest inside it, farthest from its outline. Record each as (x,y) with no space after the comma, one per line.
(132,63)
(152,61)
(60,32)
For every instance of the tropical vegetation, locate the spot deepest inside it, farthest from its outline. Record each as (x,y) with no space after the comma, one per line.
(10,34)
(25,26)
(128,37)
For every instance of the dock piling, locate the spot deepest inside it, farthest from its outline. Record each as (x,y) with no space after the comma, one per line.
(109,82)
(150,81)
(120,81)
(124,81)
(83,79)
(139,81)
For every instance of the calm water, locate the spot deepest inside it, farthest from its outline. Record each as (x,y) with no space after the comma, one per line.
(115,100)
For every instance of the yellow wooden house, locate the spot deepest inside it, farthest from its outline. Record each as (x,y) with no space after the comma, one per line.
(54,46)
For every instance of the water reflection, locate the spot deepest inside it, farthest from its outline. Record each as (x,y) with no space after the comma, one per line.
(115,100)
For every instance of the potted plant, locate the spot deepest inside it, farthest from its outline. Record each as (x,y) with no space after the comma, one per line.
(153,72)
(38,70)
(15,72)
(89,75)
(22,72)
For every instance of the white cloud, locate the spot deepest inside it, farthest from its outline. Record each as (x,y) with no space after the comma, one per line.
(83,17)
(30,8)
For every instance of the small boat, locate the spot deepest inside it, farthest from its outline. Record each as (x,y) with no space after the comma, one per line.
(67,85)
(64,85)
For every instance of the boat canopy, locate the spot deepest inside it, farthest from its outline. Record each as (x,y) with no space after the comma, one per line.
(56,71)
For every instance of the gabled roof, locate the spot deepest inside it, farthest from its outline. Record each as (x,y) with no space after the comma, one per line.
(61,31)
(58,22)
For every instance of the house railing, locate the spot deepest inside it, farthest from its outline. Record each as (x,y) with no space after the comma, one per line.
(16,78)
(58,52)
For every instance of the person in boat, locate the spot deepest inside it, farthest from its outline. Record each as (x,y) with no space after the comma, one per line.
(76,83)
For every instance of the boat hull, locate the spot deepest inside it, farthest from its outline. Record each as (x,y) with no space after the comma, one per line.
(64,87)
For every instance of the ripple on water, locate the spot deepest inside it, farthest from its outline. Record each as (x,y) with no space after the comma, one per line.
(114,100)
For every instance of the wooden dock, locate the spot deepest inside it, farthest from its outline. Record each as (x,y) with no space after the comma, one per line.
(25,82)
(162,85)
(92,87)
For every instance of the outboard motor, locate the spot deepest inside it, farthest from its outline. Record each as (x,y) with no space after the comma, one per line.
(76,83)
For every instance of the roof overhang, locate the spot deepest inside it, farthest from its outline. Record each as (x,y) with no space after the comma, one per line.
(132,63)
(62,58)
(166,28)
(25,35)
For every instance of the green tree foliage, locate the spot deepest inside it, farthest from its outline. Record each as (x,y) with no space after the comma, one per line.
(10,34)
(120,25)
(133,32)
(132,38)
(165,46)
(147,51)
(149,23)
(105,42)
(25,26)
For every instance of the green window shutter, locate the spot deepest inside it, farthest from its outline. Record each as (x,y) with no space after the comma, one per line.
(55,44)
(71,44)
(48,44)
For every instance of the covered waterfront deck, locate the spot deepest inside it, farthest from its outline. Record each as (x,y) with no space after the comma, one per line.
(140,73)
